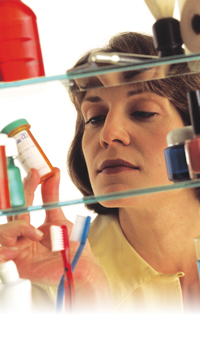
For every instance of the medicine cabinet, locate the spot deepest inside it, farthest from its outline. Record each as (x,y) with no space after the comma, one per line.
(84,77)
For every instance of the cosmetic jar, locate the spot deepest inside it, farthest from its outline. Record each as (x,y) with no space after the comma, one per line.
(192,146)
(175,156)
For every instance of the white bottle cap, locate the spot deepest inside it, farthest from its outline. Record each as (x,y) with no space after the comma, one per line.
(180,135)
(8,272)
(3,139)
(11,148)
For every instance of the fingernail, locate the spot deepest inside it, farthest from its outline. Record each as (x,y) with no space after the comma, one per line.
(38,232)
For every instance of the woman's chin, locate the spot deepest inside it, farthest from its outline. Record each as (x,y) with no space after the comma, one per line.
(126,200)
(115,202)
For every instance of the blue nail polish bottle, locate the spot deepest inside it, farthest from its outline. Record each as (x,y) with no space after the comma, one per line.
(175,158)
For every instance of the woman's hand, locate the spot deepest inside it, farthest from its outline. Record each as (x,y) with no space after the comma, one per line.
(34,260)
(31,250)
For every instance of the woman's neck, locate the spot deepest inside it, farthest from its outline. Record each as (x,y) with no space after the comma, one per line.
(163,236)
(163,232)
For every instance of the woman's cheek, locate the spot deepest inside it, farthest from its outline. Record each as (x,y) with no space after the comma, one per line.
(87,151)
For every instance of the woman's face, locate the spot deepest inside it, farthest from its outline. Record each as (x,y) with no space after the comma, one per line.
(125,137)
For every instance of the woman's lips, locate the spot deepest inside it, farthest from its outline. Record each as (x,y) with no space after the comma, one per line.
(115,166)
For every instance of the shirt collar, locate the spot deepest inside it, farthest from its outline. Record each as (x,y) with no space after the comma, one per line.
(117,257)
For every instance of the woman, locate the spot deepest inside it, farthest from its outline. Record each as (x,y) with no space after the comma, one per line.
(140,249)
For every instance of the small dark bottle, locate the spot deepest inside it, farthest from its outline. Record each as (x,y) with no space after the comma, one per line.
(175,156)
(20,51)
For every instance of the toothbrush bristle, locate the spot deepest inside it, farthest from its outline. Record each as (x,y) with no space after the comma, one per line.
(57,238)
(161,8)
(77,228)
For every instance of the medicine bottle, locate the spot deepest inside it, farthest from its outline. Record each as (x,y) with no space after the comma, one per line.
(4,187)
(192,146)
(175,155)
(20,50)
(17,197)
(15,293)
(30,154)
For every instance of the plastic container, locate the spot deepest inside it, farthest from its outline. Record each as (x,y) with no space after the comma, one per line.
(175,155)
(4,186)
(20,50)
(30,154)
(192,146)
(17,197)
(15,293)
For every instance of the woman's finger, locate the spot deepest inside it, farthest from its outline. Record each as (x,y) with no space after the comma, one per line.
(9,233)
(50,193)
(8,253)
(31,181)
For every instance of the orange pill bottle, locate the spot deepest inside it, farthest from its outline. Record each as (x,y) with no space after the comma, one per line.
(30,154)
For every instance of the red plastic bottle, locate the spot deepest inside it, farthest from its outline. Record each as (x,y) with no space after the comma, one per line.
(20,51)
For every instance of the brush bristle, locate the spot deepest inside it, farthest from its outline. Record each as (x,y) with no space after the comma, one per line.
(77,228)
(181,4)
(57,238)
(161,8)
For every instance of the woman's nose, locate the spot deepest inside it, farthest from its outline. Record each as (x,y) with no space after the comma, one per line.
(114,130)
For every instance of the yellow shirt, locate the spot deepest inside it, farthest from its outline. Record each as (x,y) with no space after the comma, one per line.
(135,285)
(43,298)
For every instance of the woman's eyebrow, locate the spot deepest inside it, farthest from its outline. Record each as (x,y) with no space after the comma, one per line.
(97,99)
(135,92)
(92,99)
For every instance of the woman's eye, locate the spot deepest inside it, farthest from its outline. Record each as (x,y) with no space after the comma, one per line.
(143,115)
(96,120)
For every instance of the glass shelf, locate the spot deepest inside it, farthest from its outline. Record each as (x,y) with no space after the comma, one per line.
(68,79)
(95,71)
(155,68)
(107,197)
(34,88)
(43,79)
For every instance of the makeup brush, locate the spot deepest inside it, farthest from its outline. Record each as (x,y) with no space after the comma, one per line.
(181,4)
(166,29)
(161,9)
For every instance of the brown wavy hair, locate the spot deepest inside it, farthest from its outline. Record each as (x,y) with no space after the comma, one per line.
(173,88)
